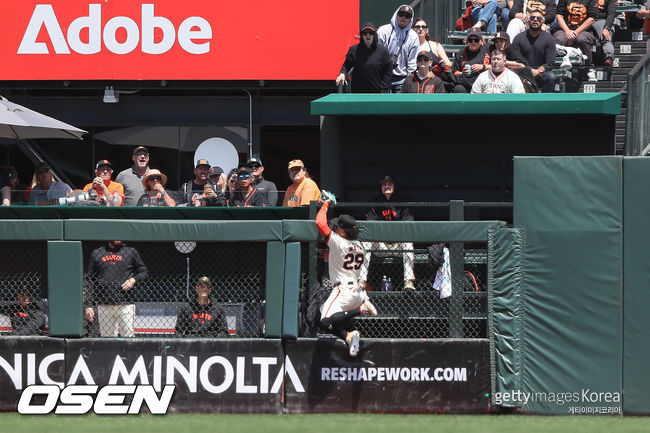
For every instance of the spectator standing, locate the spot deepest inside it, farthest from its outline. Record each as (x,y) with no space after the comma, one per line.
(575,19)
(213,191)
(303,190)
(154,190)
(107,190)
(369,62)
(604,27)
(438,55)
(387,212)
(202,316)
(470,62)
(485,14)
(522,8)
(27,318)
(498,79)
(538,48)
(423,80)
(247,195)
(19,191)
(45,190)
(131,178)
(402,44)
(232,186)
(113,271)
(192,190)
(267,189)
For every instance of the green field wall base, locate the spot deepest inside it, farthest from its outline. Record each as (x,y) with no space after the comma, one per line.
(571,209)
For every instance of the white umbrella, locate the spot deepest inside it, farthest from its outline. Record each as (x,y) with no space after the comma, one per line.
(17,121)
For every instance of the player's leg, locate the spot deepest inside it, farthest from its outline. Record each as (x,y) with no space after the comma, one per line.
(126,319)
(409,259)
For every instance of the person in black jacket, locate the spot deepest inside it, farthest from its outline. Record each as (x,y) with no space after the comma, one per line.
(113,271)
(369,62)
(469,63)
(388,212)
(26,318)
(268,189)
(423,80)
(538,48)
(202,316)
(575,18)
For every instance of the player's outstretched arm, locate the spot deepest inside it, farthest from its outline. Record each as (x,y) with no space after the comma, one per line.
(321,220)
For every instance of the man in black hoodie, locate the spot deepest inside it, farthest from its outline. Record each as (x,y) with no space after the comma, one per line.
(202,317)
(369,62)
(26,318)
(388,212)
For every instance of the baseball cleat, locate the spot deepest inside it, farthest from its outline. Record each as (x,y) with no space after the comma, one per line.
(409,286)
(326,195)
(368,309)
(352,340)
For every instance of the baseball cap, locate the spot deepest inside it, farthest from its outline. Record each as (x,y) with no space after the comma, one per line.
(204,280)
(140,149)
(426,54)
(103,162)
(386,179)
(474,32)
(244,170)
(502,35)
(346,222)
(252,161)
(202,162)
(406,8)
(368,26)
(295,163)
(215,170)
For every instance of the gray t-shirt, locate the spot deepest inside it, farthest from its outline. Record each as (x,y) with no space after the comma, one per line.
(133,187)
(56,190)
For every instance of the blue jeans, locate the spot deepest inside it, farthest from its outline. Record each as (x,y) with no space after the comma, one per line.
(488,13)
(505,18)
(546,81)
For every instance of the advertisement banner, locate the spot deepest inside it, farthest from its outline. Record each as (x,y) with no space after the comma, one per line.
(172,40)
(407,376)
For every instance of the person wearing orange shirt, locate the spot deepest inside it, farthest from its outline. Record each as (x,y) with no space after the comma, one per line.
(104,187)
(303,190)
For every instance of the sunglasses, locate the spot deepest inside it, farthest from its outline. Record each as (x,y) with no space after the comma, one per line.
(11,175)
(535,18)
(155,178)
(420,27)
(105,169)
(244,176)
(404,15)
(473,40)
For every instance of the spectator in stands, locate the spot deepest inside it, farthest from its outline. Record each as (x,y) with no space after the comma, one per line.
(485,14)
(263,186)
(26,318)
(5,188)
(538,48)
(131,178)
(109,193)
(470,62)
(369,62)
(203,316)
(604,27)
(402,44)
(438,55)
(575,19)
(515,61)
(232,185)
(247,195)
(213,191)
(45,190)
(303,190)
(505,7)
(113,271)
(19,191)
(519,16)
(423,80)
(498,79)
(388,212)
(155,194)
(192,190)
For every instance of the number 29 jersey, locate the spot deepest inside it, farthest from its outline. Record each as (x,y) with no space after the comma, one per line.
(345,259)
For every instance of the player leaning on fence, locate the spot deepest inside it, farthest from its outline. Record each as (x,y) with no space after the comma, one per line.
(348,297)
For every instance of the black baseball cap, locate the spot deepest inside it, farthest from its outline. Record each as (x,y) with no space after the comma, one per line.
(244,170)
(346,222)
(502,35)
(386,179)
(215,170)
(475,32)
(426,54)
(140,149)
(103,162)
(253,161)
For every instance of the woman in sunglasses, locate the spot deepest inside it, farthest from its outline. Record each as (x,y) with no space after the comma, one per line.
(154,190)
(247,195)
(369,62)
(19,191)
(439,56)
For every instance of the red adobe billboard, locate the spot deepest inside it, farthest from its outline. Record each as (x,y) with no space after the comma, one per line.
(176,40)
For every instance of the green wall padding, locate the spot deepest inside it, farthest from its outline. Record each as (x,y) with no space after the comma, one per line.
(636,322)
(291,290)
(65,275)
(31,229)
(572,211)
(275,258)
(506,280)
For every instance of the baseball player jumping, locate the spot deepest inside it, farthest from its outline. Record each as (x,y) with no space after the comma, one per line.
(348,298)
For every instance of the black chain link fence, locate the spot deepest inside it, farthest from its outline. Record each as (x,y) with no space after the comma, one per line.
(420,290)
(166,300)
